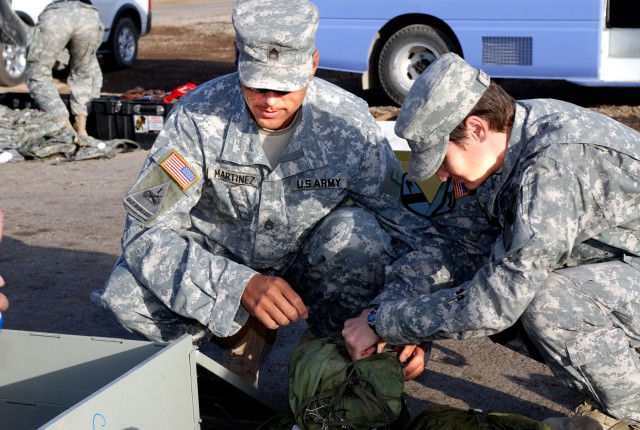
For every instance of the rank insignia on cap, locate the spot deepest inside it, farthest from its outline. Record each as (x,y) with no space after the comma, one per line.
(274,54)
(179,170)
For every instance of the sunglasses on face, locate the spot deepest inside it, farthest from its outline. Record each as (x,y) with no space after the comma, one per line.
(266,90)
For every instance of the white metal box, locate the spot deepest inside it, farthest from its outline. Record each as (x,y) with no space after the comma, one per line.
(54,381)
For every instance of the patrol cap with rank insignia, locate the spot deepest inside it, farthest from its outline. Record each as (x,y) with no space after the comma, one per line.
(275,42)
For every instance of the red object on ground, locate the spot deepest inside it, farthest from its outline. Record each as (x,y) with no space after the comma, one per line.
(179,92)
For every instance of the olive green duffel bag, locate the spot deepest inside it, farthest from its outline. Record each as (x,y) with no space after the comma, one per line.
(329,390)
(449,418)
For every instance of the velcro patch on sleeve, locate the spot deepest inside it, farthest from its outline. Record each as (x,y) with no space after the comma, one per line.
(392,183)
(156,190)
(397,176)
(179,170)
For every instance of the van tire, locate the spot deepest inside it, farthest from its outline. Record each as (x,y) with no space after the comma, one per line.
(406,54)
(13,65)
(123,44)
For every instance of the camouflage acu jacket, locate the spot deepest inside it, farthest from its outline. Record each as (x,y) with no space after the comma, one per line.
(207,211)
(568,194)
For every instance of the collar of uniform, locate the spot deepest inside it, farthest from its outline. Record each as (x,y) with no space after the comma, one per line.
(501,181)
(305,151)
(242,143)
(517,141)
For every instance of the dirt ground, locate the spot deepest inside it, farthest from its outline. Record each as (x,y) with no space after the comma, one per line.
(63,222)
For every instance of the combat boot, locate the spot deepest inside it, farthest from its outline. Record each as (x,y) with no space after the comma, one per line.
(244,351)
(586,417)
(80,125)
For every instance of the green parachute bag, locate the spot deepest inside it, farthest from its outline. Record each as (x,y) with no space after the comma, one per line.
(449,418)
(329,390)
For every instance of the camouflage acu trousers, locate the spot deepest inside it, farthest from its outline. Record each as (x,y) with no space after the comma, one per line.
(586,324)
(337,272)
(76,26)
(341,269)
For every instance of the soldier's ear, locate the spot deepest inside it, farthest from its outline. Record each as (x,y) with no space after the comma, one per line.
(477,128)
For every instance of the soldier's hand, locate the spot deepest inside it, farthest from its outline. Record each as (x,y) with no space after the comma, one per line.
(272,300)
(4,302)
(415,365)
(359,339)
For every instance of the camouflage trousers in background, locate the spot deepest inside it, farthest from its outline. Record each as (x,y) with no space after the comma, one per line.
(338,271)
(76,26)
(586,324)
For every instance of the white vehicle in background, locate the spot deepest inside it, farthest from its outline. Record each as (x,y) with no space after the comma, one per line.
(125,21)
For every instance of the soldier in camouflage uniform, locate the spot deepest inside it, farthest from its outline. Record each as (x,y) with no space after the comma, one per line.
(562,185)
(269,196)
(74,24)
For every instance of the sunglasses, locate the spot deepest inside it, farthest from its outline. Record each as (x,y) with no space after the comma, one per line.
(266,90)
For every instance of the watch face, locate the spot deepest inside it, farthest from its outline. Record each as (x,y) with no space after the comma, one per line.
(371,318)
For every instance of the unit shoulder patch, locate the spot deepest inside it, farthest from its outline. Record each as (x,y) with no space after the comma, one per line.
(145,204)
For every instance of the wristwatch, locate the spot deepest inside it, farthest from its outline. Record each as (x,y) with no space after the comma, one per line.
(371,318)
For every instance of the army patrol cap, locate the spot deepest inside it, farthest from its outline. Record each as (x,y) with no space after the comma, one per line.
(441,97)
(276,42)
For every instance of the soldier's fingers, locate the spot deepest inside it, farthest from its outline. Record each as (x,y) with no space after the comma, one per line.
(4,302)
(282,317)
(296,303)
(412,370)
(359,354)
(266,319)
(287,300)
(279,309)
(407,351)
(415,365)
(368,352)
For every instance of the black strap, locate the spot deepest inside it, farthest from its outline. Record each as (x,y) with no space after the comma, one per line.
(376,397)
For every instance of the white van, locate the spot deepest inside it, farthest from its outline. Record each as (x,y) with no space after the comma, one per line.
(125,21)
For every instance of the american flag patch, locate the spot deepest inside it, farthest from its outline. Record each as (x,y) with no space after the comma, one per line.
(179,170)
(459,190)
